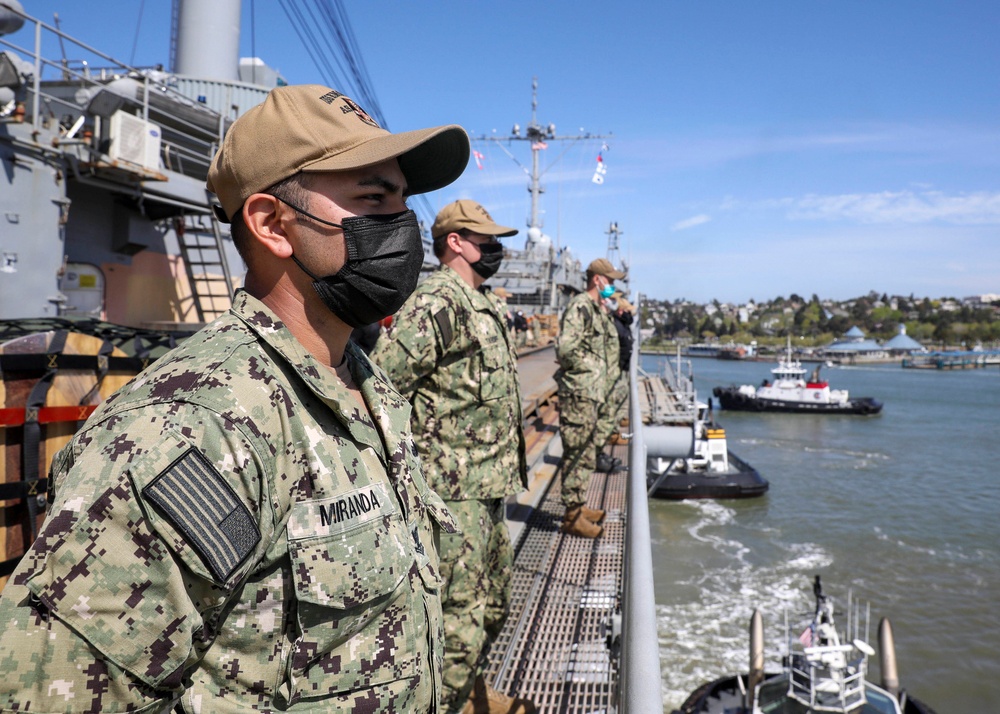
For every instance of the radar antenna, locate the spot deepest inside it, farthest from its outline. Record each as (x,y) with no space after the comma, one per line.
(539,136)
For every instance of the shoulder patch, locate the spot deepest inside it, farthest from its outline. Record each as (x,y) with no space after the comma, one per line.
(444,324)
(196,499)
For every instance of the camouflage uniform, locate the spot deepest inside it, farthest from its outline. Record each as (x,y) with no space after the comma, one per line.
(615,409)
(231,531)
(588,364)
(450,353)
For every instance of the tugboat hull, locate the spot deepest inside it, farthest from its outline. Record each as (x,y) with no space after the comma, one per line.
(733,399)
(741,481)
(724,696)
(820,673)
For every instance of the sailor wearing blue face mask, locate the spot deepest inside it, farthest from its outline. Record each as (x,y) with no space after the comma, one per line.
(588,364)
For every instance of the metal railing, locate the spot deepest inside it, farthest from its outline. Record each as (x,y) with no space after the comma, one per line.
(59,90)
(803,685)
(639,690)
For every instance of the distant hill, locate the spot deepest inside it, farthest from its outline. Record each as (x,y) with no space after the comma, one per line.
(934,322)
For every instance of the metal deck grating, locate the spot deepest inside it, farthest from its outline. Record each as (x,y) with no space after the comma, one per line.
(553,649)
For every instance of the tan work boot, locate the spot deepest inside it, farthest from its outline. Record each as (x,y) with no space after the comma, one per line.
(594,515)
(486,700)
(577,524)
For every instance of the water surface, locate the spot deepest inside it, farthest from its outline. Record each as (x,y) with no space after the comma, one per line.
(902,509)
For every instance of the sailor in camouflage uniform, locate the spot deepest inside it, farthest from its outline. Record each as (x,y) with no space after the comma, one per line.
(587,351)
(614,411)
(450,353)
(245,526)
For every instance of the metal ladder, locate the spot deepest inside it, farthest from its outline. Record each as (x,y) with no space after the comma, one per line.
(206,266)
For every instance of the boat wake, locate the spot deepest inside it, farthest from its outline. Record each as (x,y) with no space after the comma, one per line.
(704,637)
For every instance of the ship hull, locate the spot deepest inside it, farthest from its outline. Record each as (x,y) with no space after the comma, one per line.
(724,696)
(741,481)
(733,399)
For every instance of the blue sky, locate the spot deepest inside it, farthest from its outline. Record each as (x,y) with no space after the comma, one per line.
(758,148)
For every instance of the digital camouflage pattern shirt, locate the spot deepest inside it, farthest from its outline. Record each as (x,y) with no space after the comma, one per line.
(450,353)
(230,531)
(587,349)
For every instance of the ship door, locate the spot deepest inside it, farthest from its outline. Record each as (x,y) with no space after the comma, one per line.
(83,286)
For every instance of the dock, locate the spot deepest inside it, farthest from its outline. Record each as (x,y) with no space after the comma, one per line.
(972,359)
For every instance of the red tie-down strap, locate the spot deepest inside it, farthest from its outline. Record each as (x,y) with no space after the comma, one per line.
(17,416)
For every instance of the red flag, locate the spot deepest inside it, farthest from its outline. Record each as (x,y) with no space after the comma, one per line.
(479,159)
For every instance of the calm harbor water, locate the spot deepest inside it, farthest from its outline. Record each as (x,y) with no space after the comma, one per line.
(902,508)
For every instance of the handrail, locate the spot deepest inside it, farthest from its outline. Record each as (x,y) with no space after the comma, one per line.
(200,138)
(639,685)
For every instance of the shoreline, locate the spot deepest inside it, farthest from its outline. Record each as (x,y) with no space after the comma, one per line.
(772,356)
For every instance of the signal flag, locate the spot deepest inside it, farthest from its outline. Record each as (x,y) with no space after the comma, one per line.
(599,171)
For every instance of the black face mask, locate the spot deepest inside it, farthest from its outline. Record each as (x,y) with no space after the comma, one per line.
(384,255)
(490,257)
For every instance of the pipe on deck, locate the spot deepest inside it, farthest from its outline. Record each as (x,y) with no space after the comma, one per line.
(887,658)
(668,442)
(756,657)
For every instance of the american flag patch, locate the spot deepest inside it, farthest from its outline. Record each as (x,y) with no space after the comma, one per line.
(196,499)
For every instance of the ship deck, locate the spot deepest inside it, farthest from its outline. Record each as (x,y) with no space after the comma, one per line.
(555,647)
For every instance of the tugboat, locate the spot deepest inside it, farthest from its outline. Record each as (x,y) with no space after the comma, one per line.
(710,471)
(821,672)
(791,392)
(687,455)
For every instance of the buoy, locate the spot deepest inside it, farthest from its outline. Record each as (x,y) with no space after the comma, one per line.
(887,658)
(756,656)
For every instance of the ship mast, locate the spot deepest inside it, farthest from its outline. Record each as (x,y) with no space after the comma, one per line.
(613,234)
(539,136)
(536,135)
(614,254)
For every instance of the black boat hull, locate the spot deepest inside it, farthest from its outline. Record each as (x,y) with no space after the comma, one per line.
(733,399)
(742,481)
(723,696)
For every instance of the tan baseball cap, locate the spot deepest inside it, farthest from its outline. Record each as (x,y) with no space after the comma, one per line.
(602,266)
(466,213)
(309,127)
(501,292)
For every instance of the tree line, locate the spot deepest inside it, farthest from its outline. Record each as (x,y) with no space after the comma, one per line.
(935,322)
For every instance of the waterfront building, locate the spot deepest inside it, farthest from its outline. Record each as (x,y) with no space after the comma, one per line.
(903,344)
(853,347)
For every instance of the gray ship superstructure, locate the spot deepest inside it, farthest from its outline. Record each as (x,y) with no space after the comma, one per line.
(103,203)
(540,278)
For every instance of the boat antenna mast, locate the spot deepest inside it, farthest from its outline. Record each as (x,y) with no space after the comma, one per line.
(539,136)
(614,254)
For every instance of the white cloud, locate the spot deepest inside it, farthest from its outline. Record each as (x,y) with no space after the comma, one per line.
(691,222)
(979,208)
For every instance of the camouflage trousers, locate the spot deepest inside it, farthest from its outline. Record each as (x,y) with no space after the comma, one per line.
(578,425)
(476,569)
(613,410)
